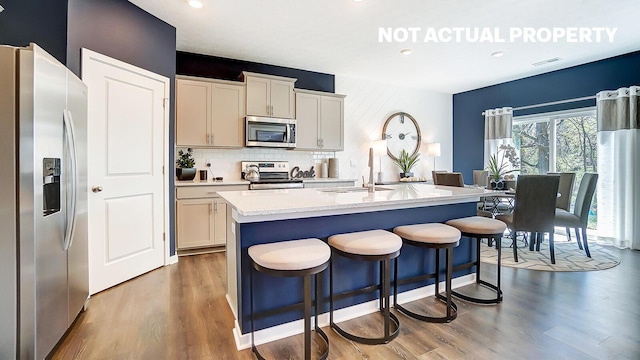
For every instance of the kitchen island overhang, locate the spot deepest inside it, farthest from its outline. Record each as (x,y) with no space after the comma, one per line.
(258,217)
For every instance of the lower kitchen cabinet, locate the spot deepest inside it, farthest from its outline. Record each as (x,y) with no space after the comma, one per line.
(201,216)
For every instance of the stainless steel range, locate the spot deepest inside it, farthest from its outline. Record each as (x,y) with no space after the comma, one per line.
(273,175)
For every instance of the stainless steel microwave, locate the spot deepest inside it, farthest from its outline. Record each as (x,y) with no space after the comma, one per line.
(270,132)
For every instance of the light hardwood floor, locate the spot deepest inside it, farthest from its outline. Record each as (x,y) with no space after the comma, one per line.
(180,312)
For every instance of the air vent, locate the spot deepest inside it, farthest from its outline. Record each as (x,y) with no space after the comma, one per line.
(546,61)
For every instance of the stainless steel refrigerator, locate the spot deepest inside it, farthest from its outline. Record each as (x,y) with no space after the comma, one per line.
(43,201)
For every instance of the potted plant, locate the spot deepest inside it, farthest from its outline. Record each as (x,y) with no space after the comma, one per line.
(499,167)
(185,165)
(406,162)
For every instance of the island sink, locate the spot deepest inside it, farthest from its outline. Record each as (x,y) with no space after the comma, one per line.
(351,189)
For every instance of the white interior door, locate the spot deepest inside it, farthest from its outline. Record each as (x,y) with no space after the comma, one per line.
(127,151)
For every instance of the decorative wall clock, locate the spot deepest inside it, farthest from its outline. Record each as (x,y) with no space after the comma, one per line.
(402,133)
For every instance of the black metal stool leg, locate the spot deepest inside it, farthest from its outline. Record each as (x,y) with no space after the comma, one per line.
(448,281)
(331,289)
(386,294)
(307,316)
(253,344)
(391,326)
(497,238)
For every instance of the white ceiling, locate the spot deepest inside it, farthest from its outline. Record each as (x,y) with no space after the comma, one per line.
(341,36)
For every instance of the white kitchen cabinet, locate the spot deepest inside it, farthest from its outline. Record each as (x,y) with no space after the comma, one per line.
(201,216)
(209,113)
(193,112)
(195,223)
(269,95)
(320,118)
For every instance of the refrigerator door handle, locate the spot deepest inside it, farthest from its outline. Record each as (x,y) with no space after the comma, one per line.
(70,141)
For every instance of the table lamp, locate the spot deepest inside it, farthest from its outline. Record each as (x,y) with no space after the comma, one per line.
(433,149)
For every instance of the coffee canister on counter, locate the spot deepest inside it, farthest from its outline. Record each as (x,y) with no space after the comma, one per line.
(323,170)
(334,168)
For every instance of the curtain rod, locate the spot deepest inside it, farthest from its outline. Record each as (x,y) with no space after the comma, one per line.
(552,103)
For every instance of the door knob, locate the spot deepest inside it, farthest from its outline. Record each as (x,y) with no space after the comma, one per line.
(96,189)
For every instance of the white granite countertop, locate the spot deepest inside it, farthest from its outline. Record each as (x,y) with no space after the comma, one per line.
(266,205)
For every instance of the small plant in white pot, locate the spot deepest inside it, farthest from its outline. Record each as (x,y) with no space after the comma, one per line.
(185,165)
(406,162)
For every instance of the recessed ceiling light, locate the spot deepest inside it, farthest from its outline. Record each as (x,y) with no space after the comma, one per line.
(197,4)
(546,61)
(498,54)
(357,0)
(406,51)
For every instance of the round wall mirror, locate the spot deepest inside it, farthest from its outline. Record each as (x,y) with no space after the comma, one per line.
(402,132)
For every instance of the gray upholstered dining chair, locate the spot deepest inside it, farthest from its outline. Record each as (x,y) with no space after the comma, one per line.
(534,210)
(433,174)
(565,189)
(579,217)
(448,179)
(480,177)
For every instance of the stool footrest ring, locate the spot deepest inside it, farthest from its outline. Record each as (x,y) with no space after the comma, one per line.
(371,341)
(497,300)
(433,319)
(318,330)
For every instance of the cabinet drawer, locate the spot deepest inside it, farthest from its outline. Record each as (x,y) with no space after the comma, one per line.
(194,192)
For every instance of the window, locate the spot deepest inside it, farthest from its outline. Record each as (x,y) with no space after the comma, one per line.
(559,142)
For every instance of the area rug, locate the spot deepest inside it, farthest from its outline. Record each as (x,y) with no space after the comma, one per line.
(568,257)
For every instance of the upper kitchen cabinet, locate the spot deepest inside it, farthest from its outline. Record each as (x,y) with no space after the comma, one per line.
(269,95)
(209,113)
(320,118)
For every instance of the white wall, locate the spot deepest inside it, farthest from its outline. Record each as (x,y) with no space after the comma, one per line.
(368,104)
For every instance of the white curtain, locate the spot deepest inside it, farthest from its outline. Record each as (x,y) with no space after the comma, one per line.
(497,130)
(618,190)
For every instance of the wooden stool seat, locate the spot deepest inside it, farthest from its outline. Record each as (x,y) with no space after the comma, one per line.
(296,258)
(373,245)
(436,236)
(478,227)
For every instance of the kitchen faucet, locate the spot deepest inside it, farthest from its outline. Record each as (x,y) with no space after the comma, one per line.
(372,184)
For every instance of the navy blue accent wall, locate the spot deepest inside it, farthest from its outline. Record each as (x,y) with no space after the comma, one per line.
(43,22)
(271,292)
(121,30)
(575,82)
(229,69)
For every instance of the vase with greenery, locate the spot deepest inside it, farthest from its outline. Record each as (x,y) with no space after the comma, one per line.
(406,162)
(504,161)
(185,165)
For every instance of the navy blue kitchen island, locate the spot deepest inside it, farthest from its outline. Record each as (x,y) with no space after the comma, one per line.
(259,217)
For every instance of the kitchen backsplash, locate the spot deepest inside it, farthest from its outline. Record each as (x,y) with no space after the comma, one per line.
(226,162)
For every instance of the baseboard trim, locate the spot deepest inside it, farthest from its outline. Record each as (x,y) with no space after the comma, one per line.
(172,260)
(297,327)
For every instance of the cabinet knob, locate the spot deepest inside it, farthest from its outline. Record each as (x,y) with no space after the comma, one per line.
(96,189)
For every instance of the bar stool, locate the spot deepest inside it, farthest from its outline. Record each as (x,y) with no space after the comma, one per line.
(433,236)
(295,258)
(479,227)
(372,245)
